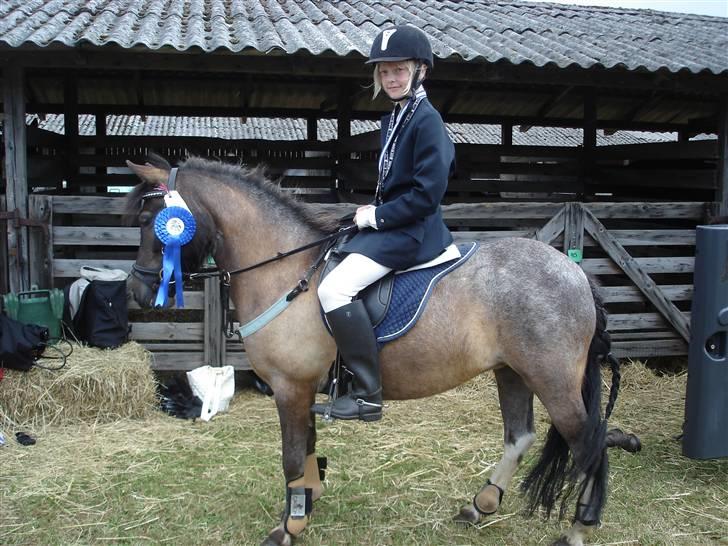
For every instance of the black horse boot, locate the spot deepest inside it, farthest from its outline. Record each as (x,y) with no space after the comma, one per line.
(357,344)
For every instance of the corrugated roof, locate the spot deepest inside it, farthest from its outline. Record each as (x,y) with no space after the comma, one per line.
(295,129)
(474,30)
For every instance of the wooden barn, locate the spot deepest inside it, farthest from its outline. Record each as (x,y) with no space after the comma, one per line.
(600,131)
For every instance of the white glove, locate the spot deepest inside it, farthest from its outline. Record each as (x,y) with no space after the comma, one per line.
(365,217)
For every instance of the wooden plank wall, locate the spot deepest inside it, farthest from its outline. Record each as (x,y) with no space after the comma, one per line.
(87,230)
(662,171)
(307,166)
(634,172)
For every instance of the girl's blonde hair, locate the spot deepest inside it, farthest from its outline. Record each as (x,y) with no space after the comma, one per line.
(411,66)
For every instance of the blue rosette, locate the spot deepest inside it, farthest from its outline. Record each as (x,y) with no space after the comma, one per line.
(174,227)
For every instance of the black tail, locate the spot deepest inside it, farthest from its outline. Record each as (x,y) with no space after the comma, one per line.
(557,473)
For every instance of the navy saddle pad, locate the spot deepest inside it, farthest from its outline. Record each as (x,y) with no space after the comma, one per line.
(396,302)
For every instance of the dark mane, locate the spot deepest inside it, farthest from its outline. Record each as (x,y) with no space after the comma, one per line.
(267,193)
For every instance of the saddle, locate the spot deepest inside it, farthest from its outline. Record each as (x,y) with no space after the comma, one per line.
(378,297)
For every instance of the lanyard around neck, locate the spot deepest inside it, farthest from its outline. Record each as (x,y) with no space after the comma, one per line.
(397,122)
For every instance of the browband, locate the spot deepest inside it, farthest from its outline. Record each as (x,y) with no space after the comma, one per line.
(161,190)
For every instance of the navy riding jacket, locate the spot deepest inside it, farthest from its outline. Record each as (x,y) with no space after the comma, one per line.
(410,229)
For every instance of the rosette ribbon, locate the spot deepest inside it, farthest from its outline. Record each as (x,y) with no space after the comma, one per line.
(174,226)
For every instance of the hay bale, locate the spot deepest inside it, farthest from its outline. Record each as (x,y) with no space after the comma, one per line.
(95,386)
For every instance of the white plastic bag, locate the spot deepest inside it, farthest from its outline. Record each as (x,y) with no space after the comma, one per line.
(215,386)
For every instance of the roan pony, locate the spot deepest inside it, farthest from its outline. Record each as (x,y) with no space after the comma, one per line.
(518,307)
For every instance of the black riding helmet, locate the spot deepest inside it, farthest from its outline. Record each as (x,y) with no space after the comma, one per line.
(401,43)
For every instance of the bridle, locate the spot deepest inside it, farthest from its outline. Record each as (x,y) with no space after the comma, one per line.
(151,277)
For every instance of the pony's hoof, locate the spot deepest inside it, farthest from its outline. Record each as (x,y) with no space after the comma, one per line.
(467,515)
(626,441)
(278,537)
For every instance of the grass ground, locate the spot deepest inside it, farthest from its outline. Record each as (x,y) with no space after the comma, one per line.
(396,482)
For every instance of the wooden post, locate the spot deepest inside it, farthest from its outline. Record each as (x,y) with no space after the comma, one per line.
(589,139)
(507,134)
(101,132)
(214,339)
(574,231)
(16,177)
(343,132)
(3,253)
(553,228)
(311,128)
(722,197)
(40,241)
(70,126)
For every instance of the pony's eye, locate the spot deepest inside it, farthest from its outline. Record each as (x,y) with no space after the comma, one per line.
(145,218)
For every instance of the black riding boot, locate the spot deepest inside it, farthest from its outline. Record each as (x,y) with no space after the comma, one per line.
(357,344)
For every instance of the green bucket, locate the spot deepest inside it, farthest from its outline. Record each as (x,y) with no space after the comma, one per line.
(42,307)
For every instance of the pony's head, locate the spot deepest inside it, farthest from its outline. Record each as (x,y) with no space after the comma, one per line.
(143,205)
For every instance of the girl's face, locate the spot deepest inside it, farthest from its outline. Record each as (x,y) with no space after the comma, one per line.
(395,77)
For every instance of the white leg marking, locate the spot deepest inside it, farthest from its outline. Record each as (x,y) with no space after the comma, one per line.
(509,463)
(578,532)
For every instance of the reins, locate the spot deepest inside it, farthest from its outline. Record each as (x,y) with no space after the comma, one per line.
(279,256)
(301,286)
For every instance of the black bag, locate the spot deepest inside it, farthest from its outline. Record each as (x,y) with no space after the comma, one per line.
(102,318)
(20,344)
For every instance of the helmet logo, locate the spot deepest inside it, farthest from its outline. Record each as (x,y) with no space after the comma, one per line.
(386,35)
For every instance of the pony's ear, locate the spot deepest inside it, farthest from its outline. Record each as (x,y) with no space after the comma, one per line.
(151,175)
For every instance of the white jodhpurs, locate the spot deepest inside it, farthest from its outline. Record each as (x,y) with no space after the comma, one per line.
(350,277)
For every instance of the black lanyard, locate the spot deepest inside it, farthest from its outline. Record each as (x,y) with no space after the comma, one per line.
(393,131)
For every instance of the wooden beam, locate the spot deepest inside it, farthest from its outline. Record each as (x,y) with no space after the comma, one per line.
(506,134)
(3,253)
(343,132)
(589,142)
(40,241)
(16,176)
(305,65)
(373,114)
(214,339)
(695,149)
(343,118)
(574,231)
(100,120)
(311,128)
(638,276)
(722,193)
(70,127)
(551,229)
